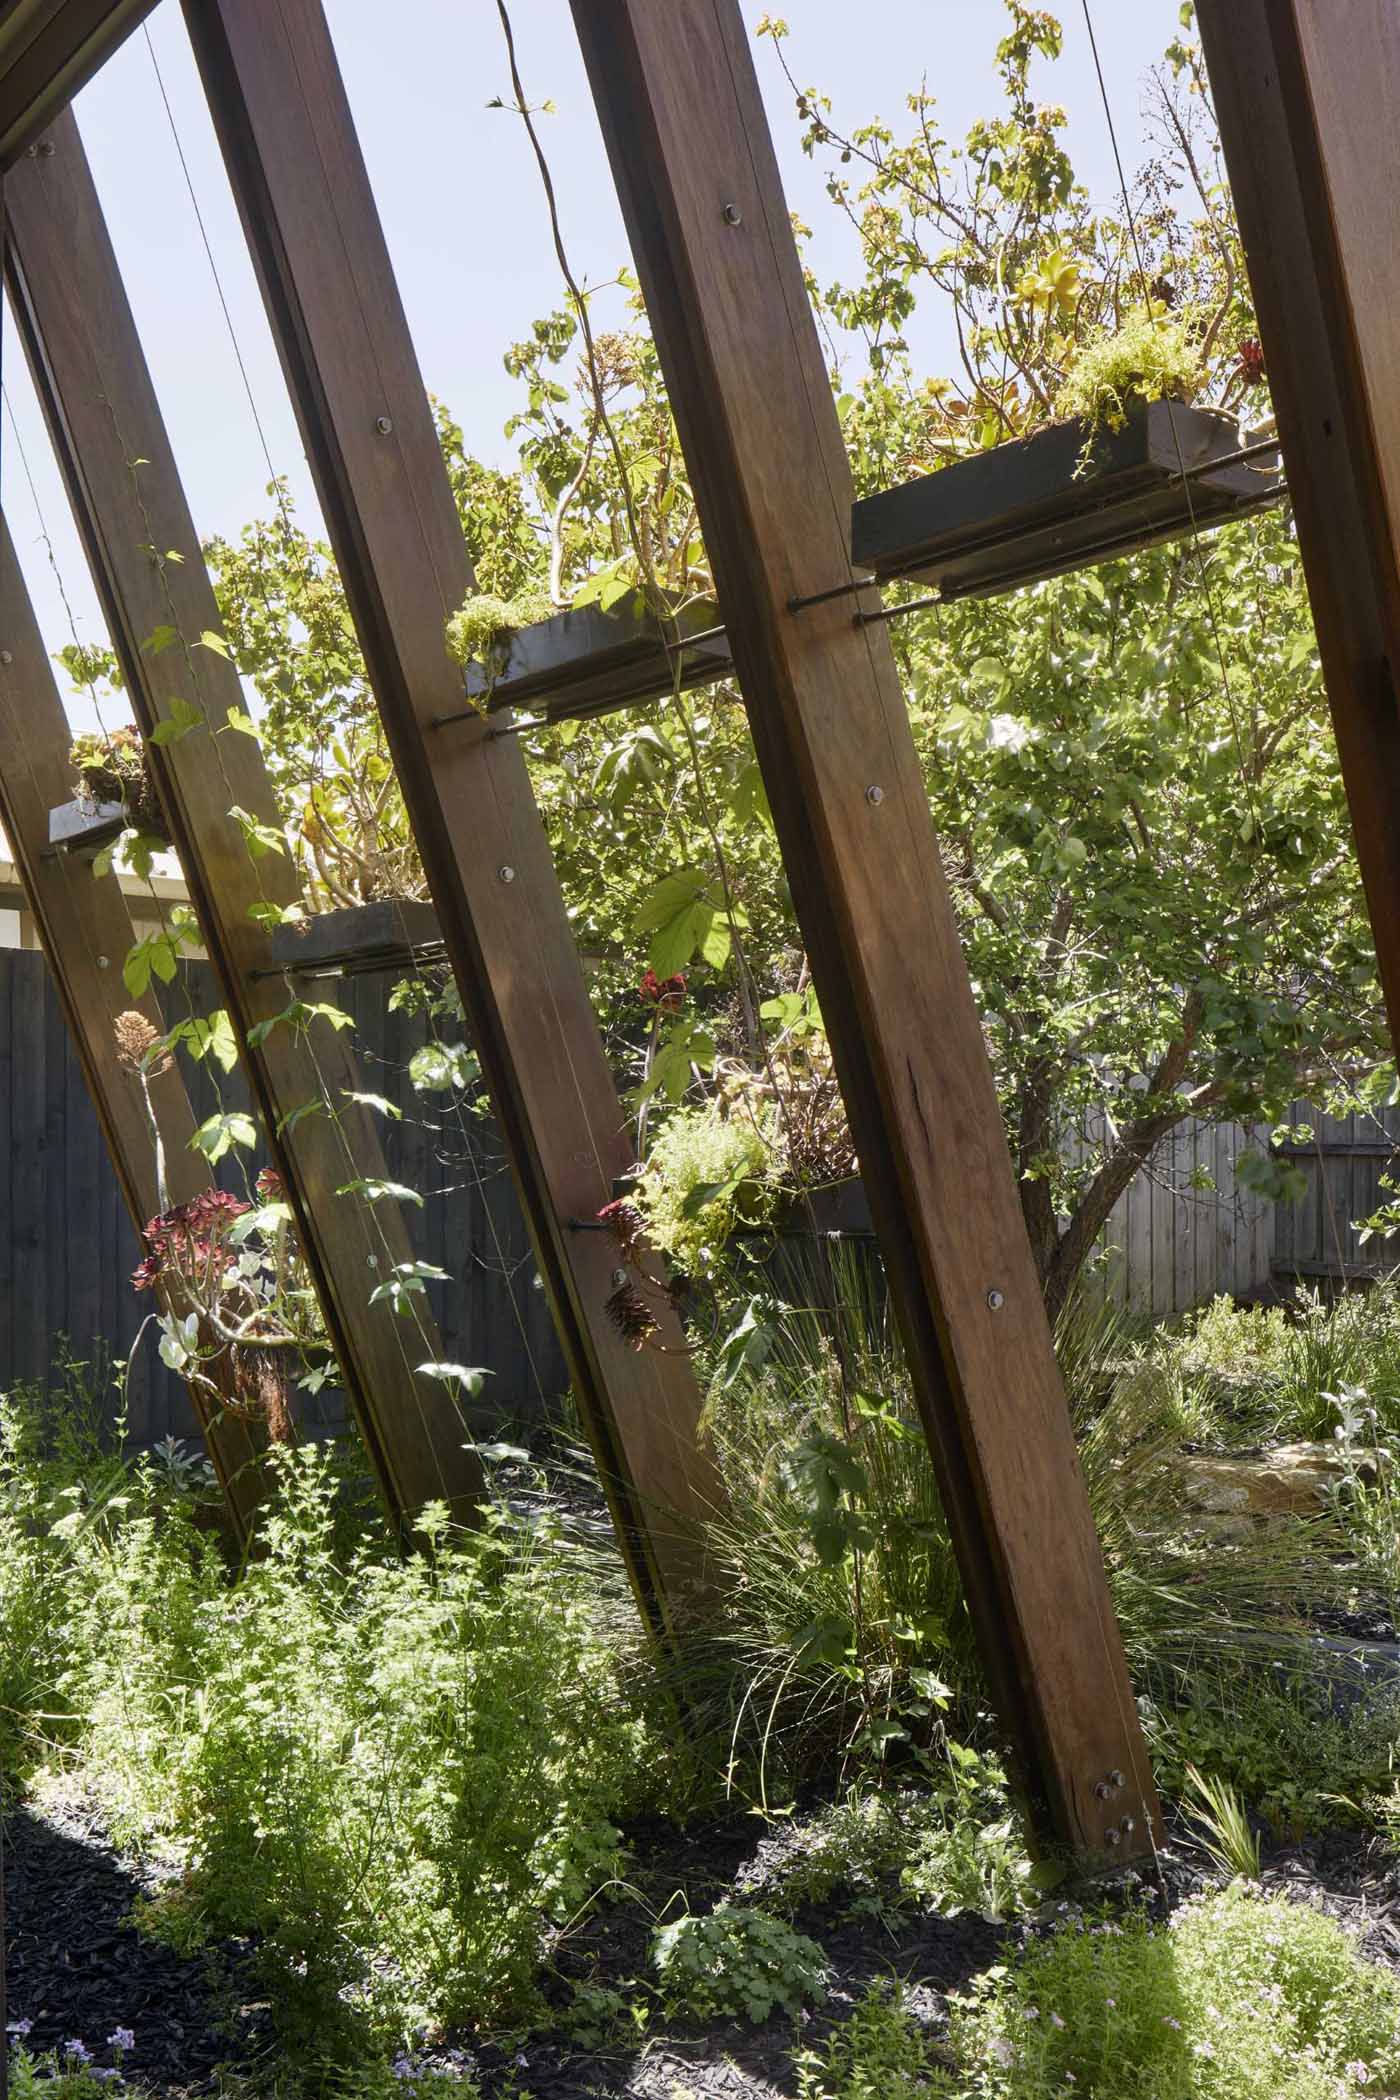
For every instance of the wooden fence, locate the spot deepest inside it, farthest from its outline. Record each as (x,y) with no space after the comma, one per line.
(67,1250)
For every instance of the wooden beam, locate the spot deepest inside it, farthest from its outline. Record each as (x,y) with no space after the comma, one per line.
(111,444)
(289,142)
(1306,96)
(695,168)
(85,931)
(48,50)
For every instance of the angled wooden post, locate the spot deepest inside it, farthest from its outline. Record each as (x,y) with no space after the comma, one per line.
(1307,94)
(698,179)
(105,423)
(85,931)
(279,106)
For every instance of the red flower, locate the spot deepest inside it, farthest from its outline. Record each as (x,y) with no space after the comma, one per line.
(1251,360)
(667,994)
(624,1222)
(269,1185)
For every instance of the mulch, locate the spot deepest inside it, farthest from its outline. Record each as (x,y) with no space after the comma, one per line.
(77,1968)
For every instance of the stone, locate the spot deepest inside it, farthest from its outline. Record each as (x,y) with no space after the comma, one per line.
(1295,1480)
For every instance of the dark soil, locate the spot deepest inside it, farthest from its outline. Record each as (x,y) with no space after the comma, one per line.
(77,1969)
(1340,1872)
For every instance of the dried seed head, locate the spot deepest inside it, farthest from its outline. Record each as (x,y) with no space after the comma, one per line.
(136,1039)
(631,1316)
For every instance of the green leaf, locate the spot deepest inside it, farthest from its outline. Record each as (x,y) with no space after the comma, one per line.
(407,1279)
(182,718)
(220,1133)
(470,1377)
(303,1109)
(216,642)
(260,839)
(375,1189)
(377,1102)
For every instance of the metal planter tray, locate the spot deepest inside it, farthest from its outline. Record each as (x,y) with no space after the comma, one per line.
(589,662)
(388,934)
(84,828)
(1061,500)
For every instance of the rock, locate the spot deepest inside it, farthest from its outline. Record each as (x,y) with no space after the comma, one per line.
(1296,1480)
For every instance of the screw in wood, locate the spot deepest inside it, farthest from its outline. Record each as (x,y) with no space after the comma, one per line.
(996,1300)
(384,425)
(6,657)
(1127,1826)
(619,1277)
(506,874)
(1115,1779)
(875,794)
(46,149)
(102,963)
(732,215)
(372,1261)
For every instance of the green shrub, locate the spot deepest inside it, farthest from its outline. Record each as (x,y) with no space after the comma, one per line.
(1274,1374)
(708,1171)
(737,1964)
(879,2054)
(1241,1996)
(73,2072)
(838,1592)
(1280,1741)
(969,1851)
(392,1771)
(959,1846)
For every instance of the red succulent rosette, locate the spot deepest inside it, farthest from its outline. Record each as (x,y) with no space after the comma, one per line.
(665,994)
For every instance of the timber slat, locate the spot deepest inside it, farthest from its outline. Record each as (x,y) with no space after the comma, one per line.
(85,930)
(294,161)
(694,165)
(1307,114)
(110,440)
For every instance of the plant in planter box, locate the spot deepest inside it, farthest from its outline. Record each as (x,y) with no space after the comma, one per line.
(112,768)
(241,1319)
(241,1316)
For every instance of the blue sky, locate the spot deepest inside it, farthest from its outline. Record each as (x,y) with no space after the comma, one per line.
(463,213)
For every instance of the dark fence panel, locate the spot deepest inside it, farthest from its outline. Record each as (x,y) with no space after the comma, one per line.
(67,1248)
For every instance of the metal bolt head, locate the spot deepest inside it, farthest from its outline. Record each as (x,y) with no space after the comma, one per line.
(996,1300)
(506,874)
(6,657)
(1127,1826)
(384,425)
(1102,1790)
(875,794)
(732,215)
(619,1277)
(1115,1779)
(103,963)
(372,1261)
(1113,1837)
(46,149)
